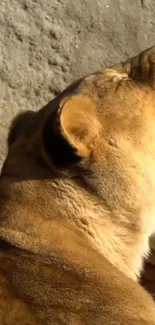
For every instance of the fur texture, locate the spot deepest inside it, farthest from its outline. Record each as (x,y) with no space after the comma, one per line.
(77,203)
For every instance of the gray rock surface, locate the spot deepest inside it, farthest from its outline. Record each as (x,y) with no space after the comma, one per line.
(46,44)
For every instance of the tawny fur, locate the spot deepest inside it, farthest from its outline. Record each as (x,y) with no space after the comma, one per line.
(77,203)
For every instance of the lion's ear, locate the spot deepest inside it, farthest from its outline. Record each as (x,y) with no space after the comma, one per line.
(79,124)
(74,131)
(140,68)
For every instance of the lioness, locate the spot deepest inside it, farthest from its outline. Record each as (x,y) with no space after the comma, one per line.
(77,203)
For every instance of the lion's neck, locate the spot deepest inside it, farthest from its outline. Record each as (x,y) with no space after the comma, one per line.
(124,248)
(120,237)
(123,243)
